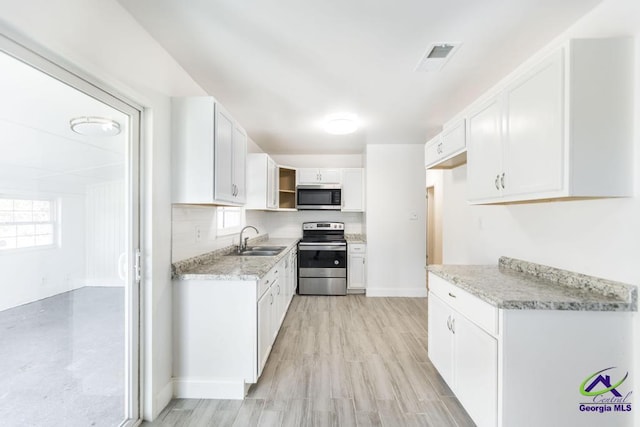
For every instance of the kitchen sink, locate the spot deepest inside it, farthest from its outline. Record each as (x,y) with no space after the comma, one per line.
(260,251)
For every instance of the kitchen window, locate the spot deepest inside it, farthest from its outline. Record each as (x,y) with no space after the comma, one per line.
(229,220)
(26,223)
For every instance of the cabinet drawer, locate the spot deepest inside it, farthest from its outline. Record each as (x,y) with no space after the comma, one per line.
(357,248)
(479,312)
(267,280)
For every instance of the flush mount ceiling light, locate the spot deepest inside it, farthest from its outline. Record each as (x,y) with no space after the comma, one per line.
(95,126)
(341,124)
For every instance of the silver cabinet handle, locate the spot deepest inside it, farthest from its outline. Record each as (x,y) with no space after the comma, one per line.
(449,323)
(502,180)
(452,295)
(453,325)
(496,182)
(278,289)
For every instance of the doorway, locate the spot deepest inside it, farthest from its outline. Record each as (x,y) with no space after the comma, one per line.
(69,241)
(434,227)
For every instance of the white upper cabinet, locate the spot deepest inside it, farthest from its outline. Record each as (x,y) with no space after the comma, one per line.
(449,148)
(556,129)
(318,176)
(353,190)
(262,179)
(208,153)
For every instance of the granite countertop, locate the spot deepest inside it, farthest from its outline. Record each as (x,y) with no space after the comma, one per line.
(218,266)
(355,238)
(520,285)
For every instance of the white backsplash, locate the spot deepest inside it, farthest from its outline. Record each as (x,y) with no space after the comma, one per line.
(186,218)
(289,224)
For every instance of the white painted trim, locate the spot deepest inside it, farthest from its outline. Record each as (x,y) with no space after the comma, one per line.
(163,398)
(397,292)
(192,388)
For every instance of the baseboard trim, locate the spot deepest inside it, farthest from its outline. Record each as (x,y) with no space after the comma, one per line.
(163,398)
(186,388)
(397,292)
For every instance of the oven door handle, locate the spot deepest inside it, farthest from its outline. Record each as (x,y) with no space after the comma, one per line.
(311,247)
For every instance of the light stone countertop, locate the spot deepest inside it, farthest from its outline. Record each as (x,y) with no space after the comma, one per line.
(520,285)
(355,238)
(218,266)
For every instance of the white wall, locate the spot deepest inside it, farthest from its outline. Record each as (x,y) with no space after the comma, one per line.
(32,274)
(102,39)
(289,224)
(396,220)
(595,237)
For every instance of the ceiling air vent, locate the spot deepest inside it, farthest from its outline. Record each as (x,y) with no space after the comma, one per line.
(436,56)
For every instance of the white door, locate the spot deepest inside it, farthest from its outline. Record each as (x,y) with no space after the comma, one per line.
(534,136)
(440,338)
(356,271)
(353,190)
(329,176)
(476,371)
(239,164)
(265,309)
(484,151)
(223,156)
(84,221)
(308,176)
(272,186)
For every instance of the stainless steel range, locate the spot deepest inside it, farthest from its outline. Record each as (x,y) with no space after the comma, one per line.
(322,259)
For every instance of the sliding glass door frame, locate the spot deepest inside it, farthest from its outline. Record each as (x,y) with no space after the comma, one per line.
(49,63)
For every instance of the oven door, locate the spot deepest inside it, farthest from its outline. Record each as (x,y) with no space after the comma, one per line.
(322,260)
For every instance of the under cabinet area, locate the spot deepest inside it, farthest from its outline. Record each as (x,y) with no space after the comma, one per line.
(224,330)
(208,156)
(550,126)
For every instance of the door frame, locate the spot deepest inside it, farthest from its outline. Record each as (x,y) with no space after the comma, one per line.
(51,64)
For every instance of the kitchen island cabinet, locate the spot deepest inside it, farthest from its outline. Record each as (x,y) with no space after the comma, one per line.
(516,342)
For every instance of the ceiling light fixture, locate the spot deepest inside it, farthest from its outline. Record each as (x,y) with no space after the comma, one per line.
(341,124)
(95,126)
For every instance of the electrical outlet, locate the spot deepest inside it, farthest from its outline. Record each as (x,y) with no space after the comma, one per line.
(198,233)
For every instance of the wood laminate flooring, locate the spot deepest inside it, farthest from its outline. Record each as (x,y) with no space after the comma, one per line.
(339,361)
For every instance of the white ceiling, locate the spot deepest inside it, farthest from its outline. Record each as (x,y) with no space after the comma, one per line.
(38,148)
(280,66)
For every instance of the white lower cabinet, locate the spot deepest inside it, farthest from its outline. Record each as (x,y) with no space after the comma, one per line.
(466,357)
(356,267)
(524,367)
(224,331)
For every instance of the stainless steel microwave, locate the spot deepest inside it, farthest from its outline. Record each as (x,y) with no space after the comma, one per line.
(318,197)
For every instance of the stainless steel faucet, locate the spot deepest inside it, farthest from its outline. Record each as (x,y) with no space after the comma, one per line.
(243,243)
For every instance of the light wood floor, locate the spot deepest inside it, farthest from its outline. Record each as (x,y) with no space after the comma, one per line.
(339,361)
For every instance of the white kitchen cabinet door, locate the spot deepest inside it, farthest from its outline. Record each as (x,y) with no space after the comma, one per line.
(475,360)
(330,176)
(534,138)
(353,190)
(440,338)
(239,163)
(432,151)
(272,184)
(447,149)
(318,176)
(223,181)
(265,328)
(357,271)
(484,146)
